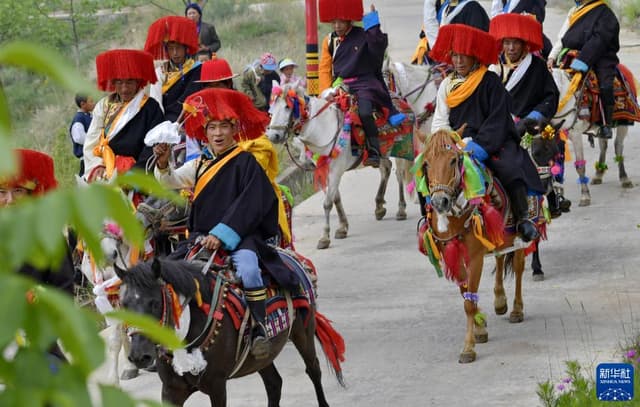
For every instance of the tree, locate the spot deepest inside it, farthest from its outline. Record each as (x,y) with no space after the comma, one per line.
(32,233)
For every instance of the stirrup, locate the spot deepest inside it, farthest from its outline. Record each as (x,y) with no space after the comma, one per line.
(260,345)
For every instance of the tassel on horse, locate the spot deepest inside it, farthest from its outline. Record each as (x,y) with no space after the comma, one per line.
(493,224)
(332,343)
(454,254)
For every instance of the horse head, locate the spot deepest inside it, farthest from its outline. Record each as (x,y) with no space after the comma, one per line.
(287,108)
(544,143)
(442,166)
(150,288)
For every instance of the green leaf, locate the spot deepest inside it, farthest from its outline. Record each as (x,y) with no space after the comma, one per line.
(75,327)
(148,185)
(17,222)
(7,160)
(12,306)
(52,213)
(46,62)
(123,214)
(112,396)
(149,327)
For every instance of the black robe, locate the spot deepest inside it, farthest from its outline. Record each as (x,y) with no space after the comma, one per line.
(596,36)
(358,59)
(173,98)
(62,278)
(473,14)
(241,197)
(129,141)
(489,123)
(535,91)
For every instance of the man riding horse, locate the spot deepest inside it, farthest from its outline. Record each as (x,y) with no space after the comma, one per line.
(474,96)
(353,56)
(234,207)
(592,30)
(534,94)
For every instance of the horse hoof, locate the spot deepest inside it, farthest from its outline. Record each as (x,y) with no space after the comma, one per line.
(323,243)
(516,317)
(584,201)
(380,213)
(627,183)
(401,216)
(538,276)
(482,338)
(467,357)
(596,180)
(129,374)
(340,234)
(501,310)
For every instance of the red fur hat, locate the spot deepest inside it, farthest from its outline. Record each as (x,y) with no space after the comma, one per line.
(171,28)
(350,10)
(223,104)
(35,172)
(524,27)
(465,40)
(124,64)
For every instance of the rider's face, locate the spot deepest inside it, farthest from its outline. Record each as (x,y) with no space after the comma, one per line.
(462,63)
(8,195)
(220,135)
(513,48)
(177,52)
(126,88)
(341,27)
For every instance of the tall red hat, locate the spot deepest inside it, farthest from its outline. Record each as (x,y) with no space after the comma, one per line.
(465,40)
(223,104)
(350,10)
(524,27)
(35,172)
(171,28)
(216,70)
(124,64)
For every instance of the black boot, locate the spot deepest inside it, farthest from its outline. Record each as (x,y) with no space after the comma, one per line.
(607,121)
(259,340)
(520,210)
(373,144)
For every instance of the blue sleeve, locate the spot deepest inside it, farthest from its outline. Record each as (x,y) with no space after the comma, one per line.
(370,20)
(229,238)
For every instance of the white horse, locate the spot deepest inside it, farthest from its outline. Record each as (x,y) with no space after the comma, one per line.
(102,277)
(320,133)
(576,128)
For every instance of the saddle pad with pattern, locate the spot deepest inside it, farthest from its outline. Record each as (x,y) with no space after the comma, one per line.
(535,208)
(626,110)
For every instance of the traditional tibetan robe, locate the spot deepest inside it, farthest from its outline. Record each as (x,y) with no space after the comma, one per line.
(125,125)
(357,59)
(485,111)
(174,85)
(467,12)
(61,278)
(234,198)
(530,85)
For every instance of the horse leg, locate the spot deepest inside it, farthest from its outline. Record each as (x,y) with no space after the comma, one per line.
(538,274)
(621,133)
(327,205)
(178,392)
(130,371)
(601,164)
(576,139)
(343,227)
(500,298)
(114,344)
(470,295)
(272,383)
(385,172)
(304,340)
(402,168)
(517,314)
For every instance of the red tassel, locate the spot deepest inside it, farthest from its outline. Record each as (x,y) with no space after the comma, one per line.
(321,174)
(332,344)
(542,229)
(455,253)
(530,249)
(493,224)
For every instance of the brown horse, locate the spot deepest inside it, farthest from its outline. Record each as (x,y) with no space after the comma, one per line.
(458,233)
(169,289)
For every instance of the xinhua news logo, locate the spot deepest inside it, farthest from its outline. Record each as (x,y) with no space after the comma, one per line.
(614,382)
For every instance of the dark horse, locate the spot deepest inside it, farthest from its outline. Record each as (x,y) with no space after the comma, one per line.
(153,287)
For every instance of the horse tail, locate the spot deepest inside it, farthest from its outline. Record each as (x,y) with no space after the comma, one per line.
(332,345)
(508,264)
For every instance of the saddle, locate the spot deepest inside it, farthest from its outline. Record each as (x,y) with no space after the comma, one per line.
(394,141)
(626,109)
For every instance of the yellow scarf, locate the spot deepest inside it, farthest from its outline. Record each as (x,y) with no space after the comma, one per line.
(462,92)
(582,10)
(212,171)
(262,149)
(174,76)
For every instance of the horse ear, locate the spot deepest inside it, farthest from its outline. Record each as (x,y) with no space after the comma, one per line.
(156,267)
(461,129)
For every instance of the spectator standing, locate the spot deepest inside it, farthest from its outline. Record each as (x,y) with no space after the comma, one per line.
(79,127)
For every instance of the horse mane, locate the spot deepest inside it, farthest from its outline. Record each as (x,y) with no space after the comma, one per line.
(179,273)
(440,141)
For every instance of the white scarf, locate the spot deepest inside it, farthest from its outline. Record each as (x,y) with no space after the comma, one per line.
(518,73)
(129,113)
